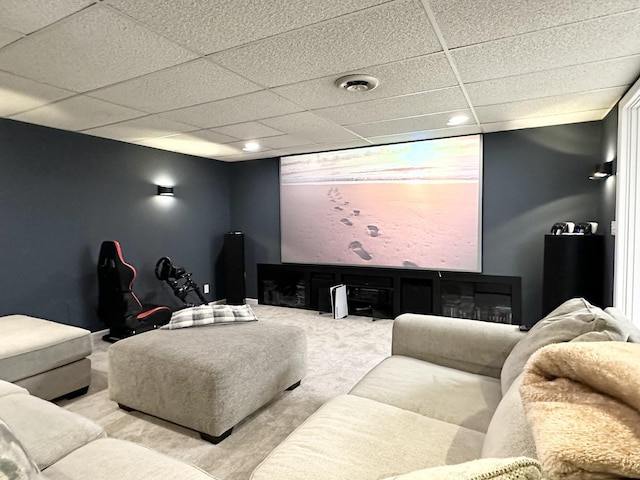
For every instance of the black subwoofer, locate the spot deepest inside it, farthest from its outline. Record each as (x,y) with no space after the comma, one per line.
(573,267)
(234,272)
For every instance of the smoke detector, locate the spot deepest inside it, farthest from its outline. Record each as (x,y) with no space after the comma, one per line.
(357,83)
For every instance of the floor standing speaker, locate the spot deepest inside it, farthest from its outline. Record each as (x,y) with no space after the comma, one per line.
(573,267)
(234,273)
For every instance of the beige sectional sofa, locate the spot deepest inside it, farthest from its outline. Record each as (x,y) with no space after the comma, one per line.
(38,435)
(448,394)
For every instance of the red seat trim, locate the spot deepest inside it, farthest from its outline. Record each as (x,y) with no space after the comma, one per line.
(153,310)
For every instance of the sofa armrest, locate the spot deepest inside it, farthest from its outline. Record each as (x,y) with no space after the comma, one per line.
(469,345)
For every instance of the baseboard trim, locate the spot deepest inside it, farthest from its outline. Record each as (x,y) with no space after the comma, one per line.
(99,334)
(248,301)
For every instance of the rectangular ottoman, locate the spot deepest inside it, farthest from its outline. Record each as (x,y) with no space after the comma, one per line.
(206,378)
(47,358)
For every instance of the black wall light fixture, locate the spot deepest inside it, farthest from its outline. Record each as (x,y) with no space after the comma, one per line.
(602,171)
(165,191)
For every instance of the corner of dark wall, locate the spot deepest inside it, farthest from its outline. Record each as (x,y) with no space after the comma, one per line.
(63,193)
(608,198)
(532,179)
(255,210)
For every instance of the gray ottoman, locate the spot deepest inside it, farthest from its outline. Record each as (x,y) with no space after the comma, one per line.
(47,358)
(206,378)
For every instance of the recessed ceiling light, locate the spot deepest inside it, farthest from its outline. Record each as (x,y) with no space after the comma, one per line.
(357,83)
(458,120)
(251,147)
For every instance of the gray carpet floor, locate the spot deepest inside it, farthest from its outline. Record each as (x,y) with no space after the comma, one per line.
(340,352)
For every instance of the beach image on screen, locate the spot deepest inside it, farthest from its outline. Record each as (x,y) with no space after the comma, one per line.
(411,205)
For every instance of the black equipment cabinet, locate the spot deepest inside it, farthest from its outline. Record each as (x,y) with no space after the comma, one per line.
(573,267)
(388,292)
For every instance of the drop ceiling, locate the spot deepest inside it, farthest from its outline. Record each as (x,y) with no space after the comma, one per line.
(204,77)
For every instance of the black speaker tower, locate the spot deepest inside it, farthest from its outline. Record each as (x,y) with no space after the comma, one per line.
(234,273)
(573,267)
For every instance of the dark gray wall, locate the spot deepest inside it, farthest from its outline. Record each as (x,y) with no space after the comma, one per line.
(62,194)
(255,210)
(608,198)
(532,179)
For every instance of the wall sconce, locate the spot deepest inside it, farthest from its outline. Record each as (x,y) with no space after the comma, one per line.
(165,191)
(602,171)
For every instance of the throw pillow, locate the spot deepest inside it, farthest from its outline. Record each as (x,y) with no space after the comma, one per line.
(519,468)
(574,320)
(15,463)
(210,314)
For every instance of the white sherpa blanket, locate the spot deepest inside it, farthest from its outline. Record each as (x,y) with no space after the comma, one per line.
(582,400)
(210,314)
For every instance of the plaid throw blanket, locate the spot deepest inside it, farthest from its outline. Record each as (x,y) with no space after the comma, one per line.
(210,314)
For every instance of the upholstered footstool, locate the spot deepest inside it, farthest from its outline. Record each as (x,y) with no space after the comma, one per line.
(206,378)
(47,358)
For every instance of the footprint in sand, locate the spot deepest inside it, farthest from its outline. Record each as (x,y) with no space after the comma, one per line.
(356,213)
(372,230)
(356,247)
(346,221)
(338,208)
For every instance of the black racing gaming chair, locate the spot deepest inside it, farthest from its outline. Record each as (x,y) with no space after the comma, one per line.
(118,306)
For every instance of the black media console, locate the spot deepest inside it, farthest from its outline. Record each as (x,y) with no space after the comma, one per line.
(388,292)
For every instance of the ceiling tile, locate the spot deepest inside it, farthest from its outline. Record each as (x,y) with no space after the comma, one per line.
(18,94)
(427,72)
(249,156)
(253,106)
(200,144)
(213,25)
(486,20)
(324,147)
(77,113)
(393,31)
(310,127)
(7,36)
(93,48)
(426,135)
(248,130)
(544,107)
(573,79)
(561,119)
(283,141)
(595,40)
(140,128)
(27,16)
(191,83)
(444,100)
(406,125)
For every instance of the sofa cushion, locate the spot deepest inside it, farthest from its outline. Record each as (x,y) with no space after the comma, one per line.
(7,388)
(520,468)
(109,459)
(509,433)
(633,331)
(14,460)
(443,393)
(46,431)
(355,437)
(576,320)
(33,345)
